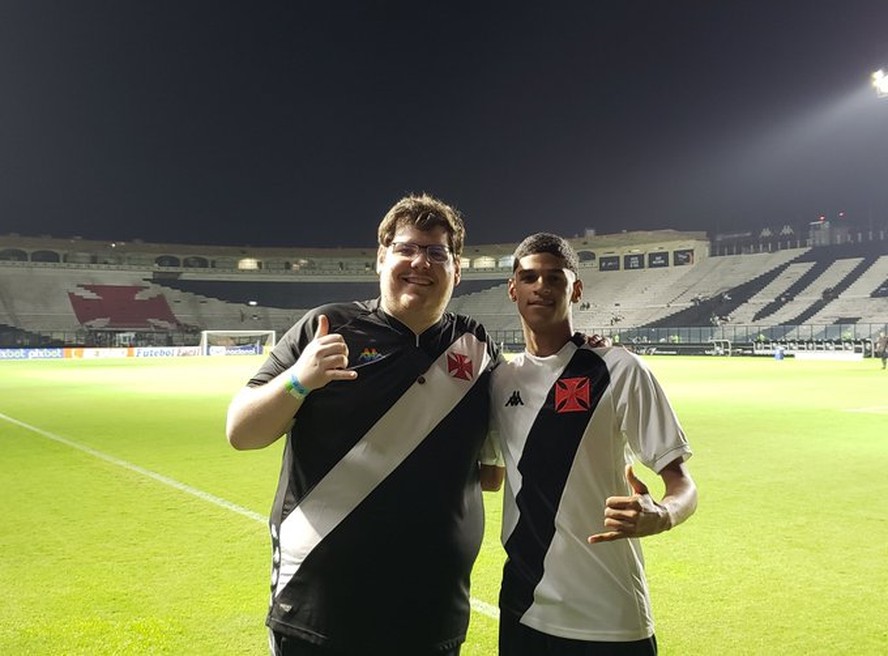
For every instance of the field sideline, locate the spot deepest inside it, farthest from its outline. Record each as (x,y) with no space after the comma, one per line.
(132,528)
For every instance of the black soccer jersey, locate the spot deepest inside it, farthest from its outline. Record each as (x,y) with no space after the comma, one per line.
(378,517)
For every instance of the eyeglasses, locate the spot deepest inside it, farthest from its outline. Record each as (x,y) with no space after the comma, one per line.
(436,253)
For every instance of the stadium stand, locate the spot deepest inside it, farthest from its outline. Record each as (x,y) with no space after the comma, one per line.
(295,295)
(489,305)
(723,287)
(860,299)
(125,307)
(651,285)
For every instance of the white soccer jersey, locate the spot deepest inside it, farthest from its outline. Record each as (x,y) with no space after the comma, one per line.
(568,424)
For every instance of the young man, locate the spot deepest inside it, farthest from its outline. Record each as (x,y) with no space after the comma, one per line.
(378,517)
(569,418)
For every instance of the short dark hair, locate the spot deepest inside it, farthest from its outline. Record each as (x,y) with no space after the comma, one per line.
(424,212)
(546,242)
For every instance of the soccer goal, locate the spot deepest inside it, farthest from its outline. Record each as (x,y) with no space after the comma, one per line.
(721,347)
(236,342)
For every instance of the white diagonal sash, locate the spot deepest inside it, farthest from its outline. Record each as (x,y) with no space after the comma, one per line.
(382,449)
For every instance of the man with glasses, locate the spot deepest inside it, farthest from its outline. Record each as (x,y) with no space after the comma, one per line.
(378,517)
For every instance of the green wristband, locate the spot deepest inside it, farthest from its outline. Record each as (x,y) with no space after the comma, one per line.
(295,388)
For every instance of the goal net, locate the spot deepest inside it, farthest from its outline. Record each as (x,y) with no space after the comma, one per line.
(236,342)
(720,347)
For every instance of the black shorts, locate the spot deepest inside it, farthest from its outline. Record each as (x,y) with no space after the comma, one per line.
(515,639)
(282,644)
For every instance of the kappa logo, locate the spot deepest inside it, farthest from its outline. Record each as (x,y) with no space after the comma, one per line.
(572,395)
(459,366)
(369,354)
(515,399)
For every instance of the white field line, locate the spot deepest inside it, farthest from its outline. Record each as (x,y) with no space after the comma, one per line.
(477,605)
(160,478)
(874,409)
(484,608)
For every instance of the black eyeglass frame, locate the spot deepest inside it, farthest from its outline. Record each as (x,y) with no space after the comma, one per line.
(409,250)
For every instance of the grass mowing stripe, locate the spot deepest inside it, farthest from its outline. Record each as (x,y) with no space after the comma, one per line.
(477,605)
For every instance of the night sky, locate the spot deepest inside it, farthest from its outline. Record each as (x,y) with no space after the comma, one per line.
(299,123)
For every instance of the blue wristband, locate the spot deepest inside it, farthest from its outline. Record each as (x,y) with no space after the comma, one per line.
(295,388)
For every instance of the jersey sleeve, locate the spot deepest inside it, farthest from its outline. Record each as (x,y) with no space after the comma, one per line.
(283,356)
(648,422)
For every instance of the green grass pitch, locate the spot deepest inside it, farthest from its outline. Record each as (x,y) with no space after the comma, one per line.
(130,527)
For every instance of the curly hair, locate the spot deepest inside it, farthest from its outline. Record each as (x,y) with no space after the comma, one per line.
(546,242)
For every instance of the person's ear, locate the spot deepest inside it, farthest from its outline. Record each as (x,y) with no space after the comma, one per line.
(380,258)
(577,293)
(513,295)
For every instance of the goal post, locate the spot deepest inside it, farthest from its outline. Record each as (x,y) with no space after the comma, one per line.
(236,342)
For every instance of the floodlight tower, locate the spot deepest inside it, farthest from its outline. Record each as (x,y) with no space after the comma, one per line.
(880,83)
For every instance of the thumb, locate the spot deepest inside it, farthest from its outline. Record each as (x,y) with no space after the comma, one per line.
(637,485)
(323,326)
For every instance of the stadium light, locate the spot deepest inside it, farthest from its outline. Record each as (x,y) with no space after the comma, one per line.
(880,83)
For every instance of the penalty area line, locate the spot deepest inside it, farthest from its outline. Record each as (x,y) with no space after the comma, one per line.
(478,606)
